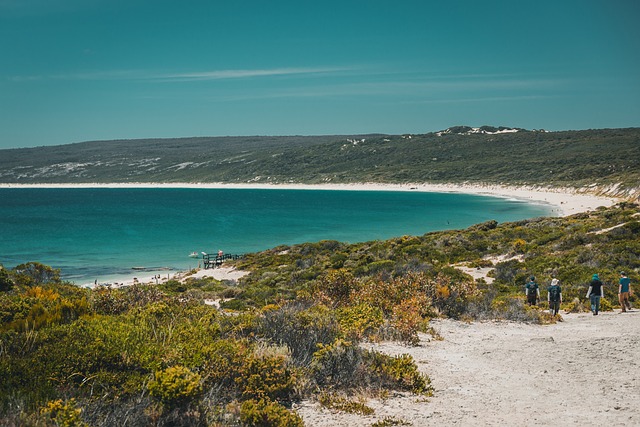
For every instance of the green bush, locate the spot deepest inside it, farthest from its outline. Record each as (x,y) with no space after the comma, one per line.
(173,286)
(264,413)
(63,414)
(35,273)
(300,327)
(267,377)
(343,404)
(175,386)
(359,320)
(399,372)
(336,364)
(6,283)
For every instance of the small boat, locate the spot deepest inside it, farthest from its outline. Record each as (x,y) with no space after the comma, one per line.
(193,255)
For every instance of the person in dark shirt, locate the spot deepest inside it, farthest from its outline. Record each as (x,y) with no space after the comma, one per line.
(554,296)
(532,291)
(596,292)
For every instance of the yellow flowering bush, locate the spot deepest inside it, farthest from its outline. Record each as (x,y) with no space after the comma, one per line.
(175,385)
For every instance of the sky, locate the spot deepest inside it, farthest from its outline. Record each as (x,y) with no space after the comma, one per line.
(82,70)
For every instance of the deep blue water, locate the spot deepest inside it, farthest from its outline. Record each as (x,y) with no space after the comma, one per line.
(95,233)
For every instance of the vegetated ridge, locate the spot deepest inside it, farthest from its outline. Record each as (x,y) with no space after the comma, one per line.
(602,161)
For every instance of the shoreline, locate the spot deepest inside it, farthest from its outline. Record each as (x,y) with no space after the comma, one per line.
(163,276)
(561,201)
(565,201)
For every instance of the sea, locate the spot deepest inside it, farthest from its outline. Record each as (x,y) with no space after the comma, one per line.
(102,235)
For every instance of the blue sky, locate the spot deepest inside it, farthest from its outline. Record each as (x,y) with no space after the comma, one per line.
(79,70)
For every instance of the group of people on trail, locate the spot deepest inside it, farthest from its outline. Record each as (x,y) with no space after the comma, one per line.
(594,294)
(554,294)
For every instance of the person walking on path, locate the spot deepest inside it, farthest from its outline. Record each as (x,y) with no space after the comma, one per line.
(623,292)
(532,291)
(554,296)
(596,291)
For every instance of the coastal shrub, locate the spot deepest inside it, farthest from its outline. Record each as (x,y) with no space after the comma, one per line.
(265,413)
(341,403)
(301,327)
(481,263)
(449,291)
(484,226)
(605,304)
(6,283)
(514,309)
(337,260)
(336,364)
(38,306)
(575,306)
(235,304)
(379,266)
(359,321)
(267,377)
(396,372)
(108,301)
(507,271)
(175,385)
(63,414)
(141,295)
(408,318)
(224,366)
(173,286)
(390,422)
(34,274)
(335,287)
(519,246)
(379,293)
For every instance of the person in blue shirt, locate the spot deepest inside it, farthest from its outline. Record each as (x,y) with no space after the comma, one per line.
(623,292)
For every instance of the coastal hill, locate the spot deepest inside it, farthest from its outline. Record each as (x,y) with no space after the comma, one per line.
(604,160)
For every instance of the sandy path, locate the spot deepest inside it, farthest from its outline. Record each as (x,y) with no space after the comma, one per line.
(583,371)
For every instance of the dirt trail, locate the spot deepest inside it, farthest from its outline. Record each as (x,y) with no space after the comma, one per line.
(583,371)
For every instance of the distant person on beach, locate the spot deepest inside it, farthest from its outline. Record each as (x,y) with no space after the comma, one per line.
(554,296)
(532,291)
(595,292)
(623,292)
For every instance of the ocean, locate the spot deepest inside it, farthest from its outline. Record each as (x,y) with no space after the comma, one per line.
(100,234)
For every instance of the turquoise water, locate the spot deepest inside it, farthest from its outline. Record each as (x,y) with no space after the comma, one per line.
(96,233)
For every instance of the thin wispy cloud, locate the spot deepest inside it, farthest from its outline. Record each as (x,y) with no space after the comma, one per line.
(142,75)
(243,74)
(500,87)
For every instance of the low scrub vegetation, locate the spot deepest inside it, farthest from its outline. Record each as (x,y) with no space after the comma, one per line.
(290,330)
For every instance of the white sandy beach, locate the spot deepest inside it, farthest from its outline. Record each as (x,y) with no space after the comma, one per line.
(162,276)
(564,201)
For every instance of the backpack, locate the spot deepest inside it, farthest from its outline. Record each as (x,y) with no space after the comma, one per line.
(554,293)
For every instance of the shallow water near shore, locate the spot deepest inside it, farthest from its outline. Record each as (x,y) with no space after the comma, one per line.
(93,233)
